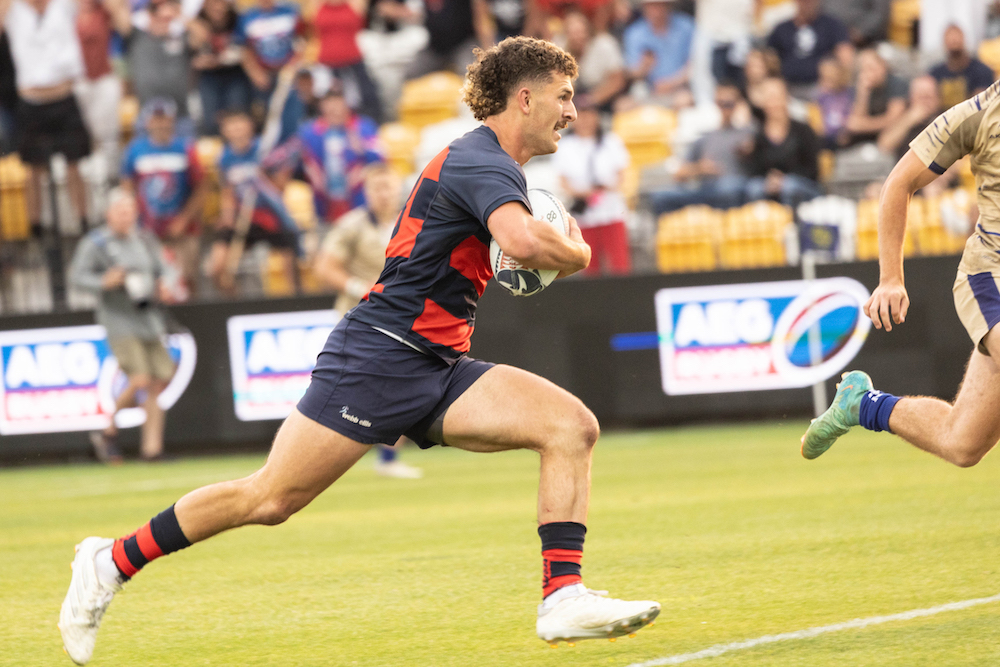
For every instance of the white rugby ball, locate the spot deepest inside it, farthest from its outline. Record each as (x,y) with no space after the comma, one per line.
(511,274)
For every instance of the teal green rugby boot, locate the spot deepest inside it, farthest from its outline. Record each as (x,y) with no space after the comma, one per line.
(839,417)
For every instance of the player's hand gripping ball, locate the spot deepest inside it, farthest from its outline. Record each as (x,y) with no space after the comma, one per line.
(514,276)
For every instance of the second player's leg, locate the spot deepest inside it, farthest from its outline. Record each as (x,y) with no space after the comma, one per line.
(508,408)
(964,432)
(305,459)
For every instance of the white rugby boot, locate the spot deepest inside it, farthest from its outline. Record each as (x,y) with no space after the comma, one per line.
(576,612)
(86,601)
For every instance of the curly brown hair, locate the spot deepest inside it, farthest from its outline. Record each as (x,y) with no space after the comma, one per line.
(501,69)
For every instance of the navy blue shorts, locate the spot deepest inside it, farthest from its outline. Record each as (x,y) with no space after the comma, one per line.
(373,388)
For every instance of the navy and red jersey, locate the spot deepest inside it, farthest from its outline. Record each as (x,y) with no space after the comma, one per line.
(437,262)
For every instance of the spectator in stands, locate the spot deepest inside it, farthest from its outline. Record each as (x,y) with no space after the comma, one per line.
(222,83)
(961,75)
(99,91)
(270,33)
(782,157)
(727,25)
(162,170)
(879,98)
(47,62)
(512,17)
(924,106)
(658,48)
(301,105)
(454,28)
(549,12)
(760,66)
(332,151)
(804,40)
(122,264)
(600,60)
(337,24)
(867,20)
(395,35)
(591,164)
(835,100)
(350,261)
(159,58)
(252,208)
(713,173)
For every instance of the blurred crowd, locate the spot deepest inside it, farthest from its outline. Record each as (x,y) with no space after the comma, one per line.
(781,100)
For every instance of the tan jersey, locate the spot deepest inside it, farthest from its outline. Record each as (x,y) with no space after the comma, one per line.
(359,243)
(970,128)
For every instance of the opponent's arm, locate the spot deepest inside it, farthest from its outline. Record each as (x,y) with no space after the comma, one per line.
(535,244)
(889,302)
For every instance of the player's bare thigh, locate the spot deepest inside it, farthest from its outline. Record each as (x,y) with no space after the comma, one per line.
(510,408)
(975,419)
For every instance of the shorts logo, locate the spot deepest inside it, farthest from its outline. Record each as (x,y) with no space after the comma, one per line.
(353,418)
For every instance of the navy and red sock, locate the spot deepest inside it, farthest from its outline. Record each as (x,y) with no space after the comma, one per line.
(162,535)
(562,552)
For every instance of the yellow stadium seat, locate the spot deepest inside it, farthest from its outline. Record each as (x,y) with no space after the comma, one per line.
(989,53)
(933,237)
(14,224)
(903,14)
(814,116)
(207,150)
(400,143)
(688,239)
(274,277)
(430,99)
(128,114)
(754,235)
(647,133)
(301,205)
(827,162)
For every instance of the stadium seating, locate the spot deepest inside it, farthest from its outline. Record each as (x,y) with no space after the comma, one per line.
(868,228)
(903,15)
(945,226)
(208,150)
(400,144)
(647,133)
(430,99)
(688,239)
(989,53)
(754,235)
(14,225)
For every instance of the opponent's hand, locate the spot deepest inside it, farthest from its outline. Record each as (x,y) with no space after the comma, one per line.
(887,305)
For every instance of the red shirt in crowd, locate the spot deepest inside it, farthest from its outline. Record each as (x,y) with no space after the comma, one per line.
(93,26)
(337,26)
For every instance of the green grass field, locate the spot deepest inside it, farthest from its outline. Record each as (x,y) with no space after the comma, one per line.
(727,527)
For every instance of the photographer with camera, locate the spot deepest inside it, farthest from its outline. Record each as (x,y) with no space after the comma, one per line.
(123,264)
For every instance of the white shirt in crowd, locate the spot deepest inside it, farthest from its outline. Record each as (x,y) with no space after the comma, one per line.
(587,165)
(725,21)
(45,48)
(602,58)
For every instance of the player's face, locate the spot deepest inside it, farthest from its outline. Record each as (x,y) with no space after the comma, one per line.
(552,110)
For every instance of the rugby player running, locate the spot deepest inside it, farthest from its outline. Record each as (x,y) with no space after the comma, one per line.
(964,431)
(408,340)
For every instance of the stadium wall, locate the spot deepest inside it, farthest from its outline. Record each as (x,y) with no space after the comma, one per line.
(566,334)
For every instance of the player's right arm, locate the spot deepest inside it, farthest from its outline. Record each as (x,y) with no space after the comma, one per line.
(889,302)
(535,244)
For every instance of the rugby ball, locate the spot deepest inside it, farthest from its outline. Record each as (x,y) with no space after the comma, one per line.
(511,274)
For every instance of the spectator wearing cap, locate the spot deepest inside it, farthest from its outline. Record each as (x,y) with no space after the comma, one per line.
(47,63)
(332,151)
(161,169)
(658,48)
(99,91)
(961,75)
(713,174)
(591,164)
(601,63)
(270,33)
(159,58)
(336,25)
(805,39)
(781,160)
(879,98)
(454,28)
(222,83)
(866,20)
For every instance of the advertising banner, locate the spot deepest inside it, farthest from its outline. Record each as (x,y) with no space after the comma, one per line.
(271,358)
(756,336)
(67,379)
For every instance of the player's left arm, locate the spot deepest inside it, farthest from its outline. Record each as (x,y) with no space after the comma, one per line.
(534,243)
(889,302)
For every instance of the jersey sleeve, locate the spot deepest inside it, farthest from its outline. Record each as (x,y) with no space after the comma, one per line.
(483,188)
(951,136)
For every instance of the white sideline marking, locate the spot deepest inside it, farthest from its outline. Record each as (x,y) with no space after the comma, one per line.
(719,649)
